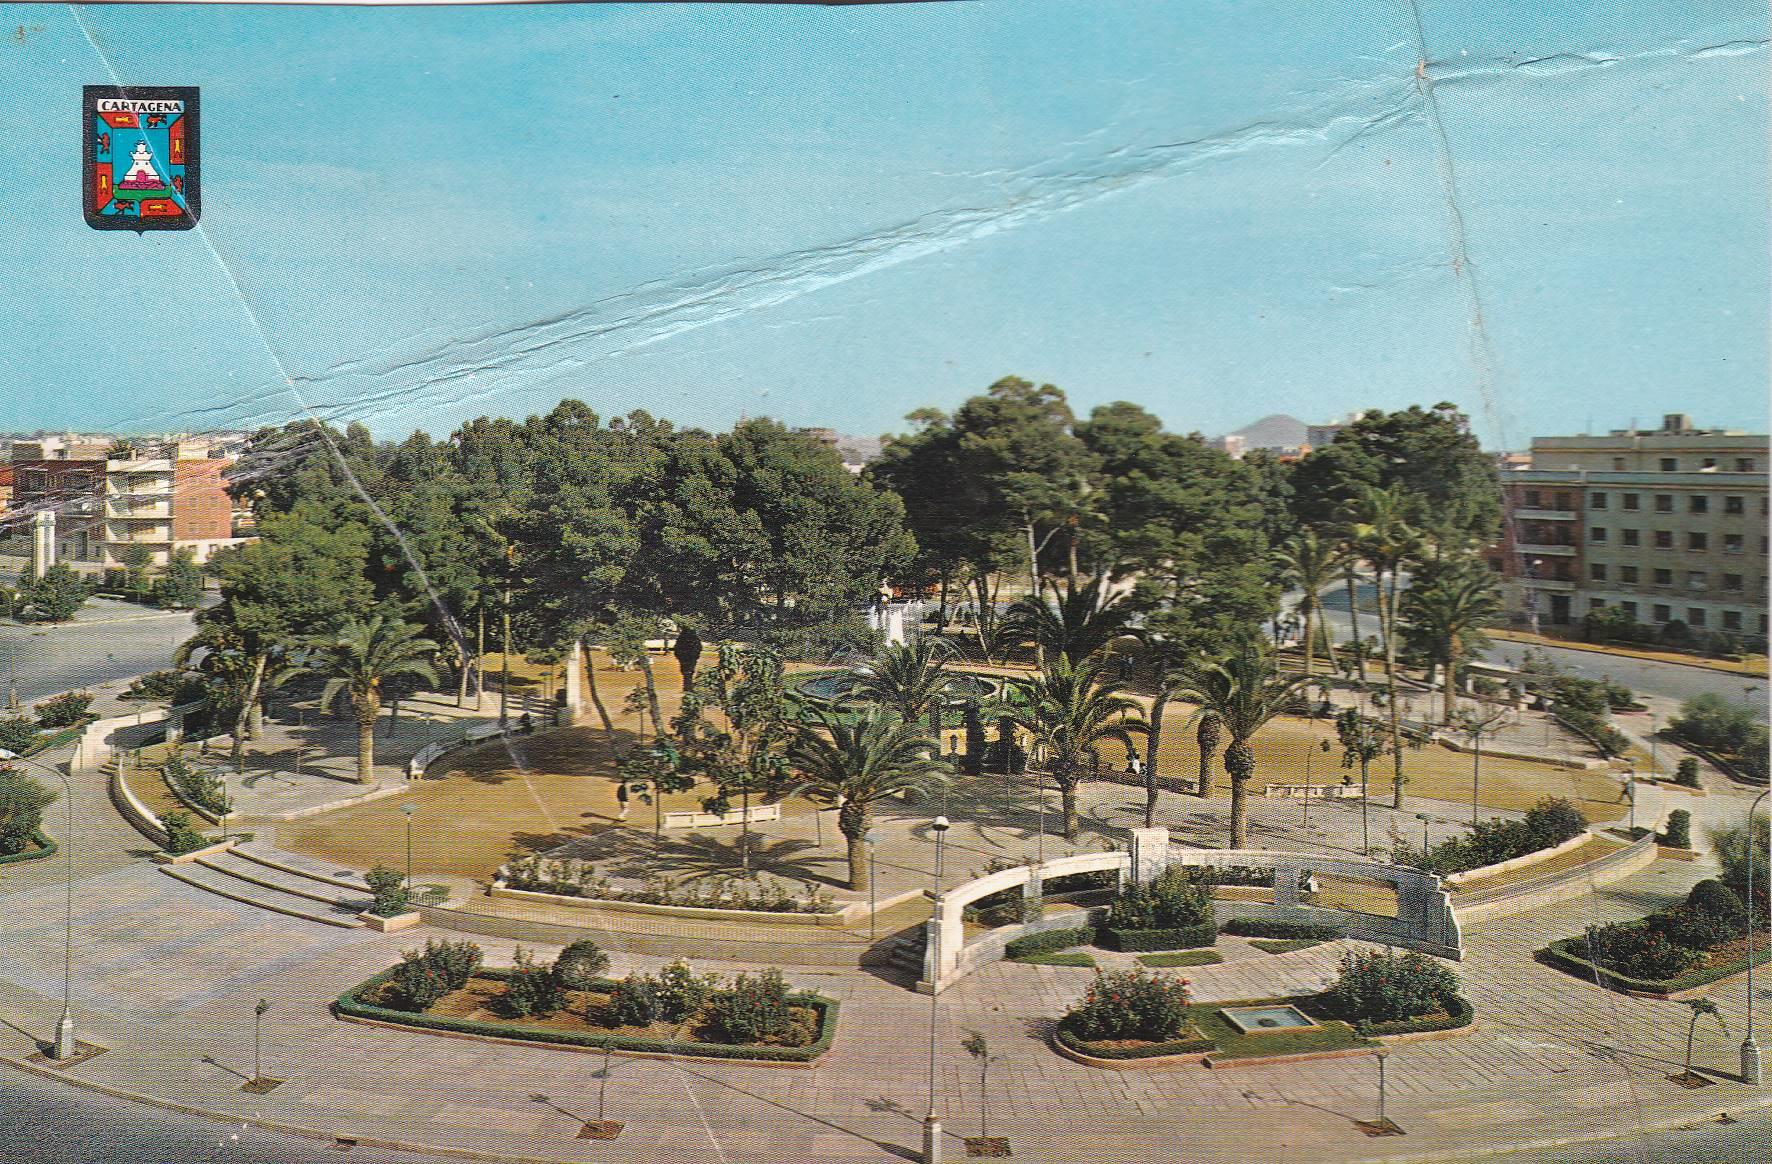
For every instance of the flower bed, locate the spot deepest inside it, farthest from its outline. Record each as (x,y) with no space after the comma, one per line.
(1189,1042)
(41,846)
(567,1028)
(1248,927)
(571,877)
(1049,942)
(1565,954)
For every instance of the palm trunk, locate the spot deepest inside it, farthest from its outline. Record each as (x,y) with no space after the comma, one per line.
(858,863)
(1309,646)
(1239,811)
(941,616)
(243,722)
(1067,793)
(1390,674)
(1150,757)
(1451,692)
(1353,622)
(461,682)
(366,744)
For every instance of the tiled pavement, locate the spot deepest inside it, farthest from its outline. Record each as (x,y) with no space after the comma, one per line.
(1551,1055)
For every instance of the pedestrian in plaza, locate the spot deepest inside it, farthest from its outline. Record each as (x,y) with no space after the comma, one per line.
(621,799)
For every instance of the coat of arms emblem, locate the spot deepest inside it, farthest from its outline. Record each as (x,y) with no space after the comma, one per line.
(141,157)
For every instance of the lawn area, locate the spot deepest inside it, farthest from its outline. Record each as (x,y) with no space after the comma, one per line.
(1283,945)
(1591,849)
(1057,958)
(1328,1035)
(1181,958)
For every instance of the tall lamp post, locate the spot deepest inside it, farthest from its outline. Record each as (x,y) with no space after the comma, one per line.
(406,810)
(65,1042)
(931,1122)
(871,839)
(1750,1050)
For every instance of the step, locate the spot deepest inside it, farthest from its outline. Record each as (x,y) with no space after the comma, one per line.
(301,867)
(232,888)
(266,877)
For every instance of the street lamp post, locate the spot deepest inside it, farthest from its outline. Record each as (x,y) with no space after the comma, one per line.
(871,838)
(1750,1050)
(407,810)
(65,1042)
(931,1122)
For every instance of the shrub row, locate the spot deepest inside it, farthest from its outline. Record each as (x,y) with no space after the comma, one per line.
(1144,940)
(1249,927)
(351,1003)
(1049,941)
(42,846)
(1547,824)
(1067,1035)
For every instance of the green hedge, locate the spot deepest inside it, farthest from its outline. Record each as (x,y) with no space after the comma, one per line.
(66,735)
(1462,1014)
(1049,941)
(1139,941)
(350,1004)
(1558,956)
(1193,1046)
(45,848)
(1248,927)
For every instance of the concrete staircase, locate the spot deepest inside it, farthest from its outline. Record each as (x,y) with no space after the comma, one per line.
(279,882)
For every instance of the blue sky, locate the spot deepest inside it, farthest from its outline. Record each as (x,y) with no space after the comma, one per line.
(1218,210)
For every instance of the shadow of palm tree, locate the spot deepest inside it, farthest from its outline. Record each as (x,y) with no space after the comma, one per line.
(698,856)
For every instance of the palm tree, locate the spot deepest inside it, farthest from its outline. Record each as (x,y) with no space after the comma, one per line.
(907,677)
(358,658)
(1075,624)
(1449,612)
(1163,659)
(854,761)
(1384,537)
(1072,709)
(1311,564)
(1208,731)
(1243,690)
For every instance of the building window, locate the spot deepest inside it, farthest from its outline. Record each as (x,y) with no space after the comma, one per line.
(1618,464)
(1664,539)
(1664,503)
(1664,577)
(1744,464)
(1697,542)
(1627,574)
(1596,501)
(1630,610)
(1632,537)
(1764,512)
(1709,463)
(1670,465)
(1731,581)
(1596,533)
(1696,580)
(1597,571)
(1698,503)
(1734,505)
(1731,543)
(1531,499)
(1695,616)
(1633,500)
(1762,624)
(1661,613)
(1596,603)
(1732,620)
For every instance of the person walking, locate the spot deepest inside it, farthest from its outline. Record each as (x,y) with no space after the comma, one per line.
(621,799)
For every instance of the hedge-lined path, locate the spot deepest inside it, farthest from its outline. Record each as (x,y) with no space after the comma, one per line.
(167,978)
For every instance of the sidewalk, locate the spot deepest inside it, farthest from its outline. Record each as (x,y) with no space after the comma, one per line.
(1753,666)
(1551,1057)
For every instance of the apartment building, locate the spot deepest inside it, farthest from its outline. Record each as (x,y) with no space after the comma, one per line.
(1666,525)
(108,497)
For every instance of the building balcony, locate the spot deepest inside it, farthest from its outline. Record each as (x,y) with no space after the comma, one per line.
(1553,585)
(1545,549)
(1546,514)
(115,512)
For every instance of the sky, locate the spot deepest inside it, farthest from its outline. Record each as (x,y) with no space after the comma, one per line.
(833,216)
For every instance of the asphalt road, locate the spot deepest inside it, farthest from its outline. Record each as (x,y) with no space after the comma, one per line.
(1748,1139)
(112,641)
(46,1122)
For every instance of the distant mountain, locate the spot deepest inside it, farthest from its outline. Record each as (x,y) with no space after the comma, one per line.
(1273,432)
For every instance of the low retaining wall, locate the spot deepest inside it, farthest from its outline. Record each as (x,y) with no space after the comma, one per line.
(758,813)
(1425,920)
(1562,885)
(1335,791)
(431,753)
(1457,879)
